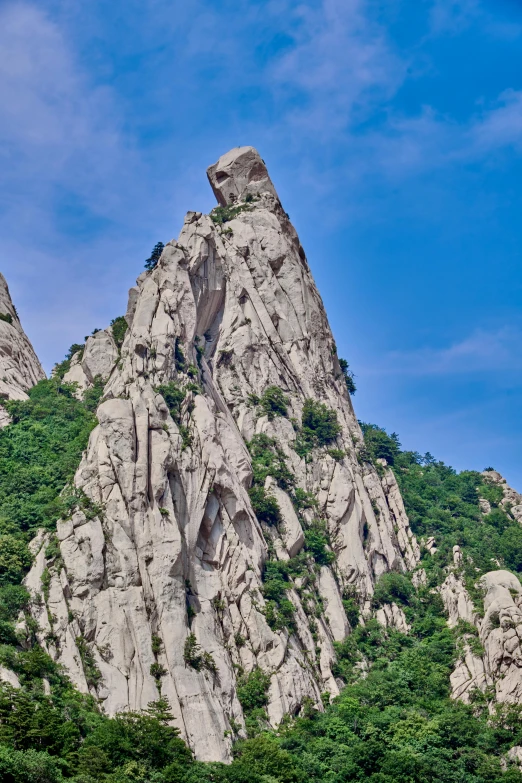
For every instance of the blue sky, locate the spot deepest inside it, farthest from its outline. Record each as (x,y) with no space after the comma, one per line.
(392,130)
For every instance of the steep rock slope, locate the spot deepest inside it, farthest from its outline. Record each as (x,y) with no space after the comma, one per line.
(19,365)
(157,582)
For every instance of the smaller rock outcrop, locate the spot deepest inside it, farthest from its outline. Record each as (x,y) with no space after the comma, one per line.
(392,616)
(514,756)
(491,656)
(490,634)
(19,365)
(9,676)
(95,360)
(501,633)
(511,500)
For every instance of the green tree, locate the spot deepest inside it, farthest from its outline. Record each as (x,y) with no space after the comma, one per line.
(155,256)
(119,327)
(348,376)
(137,737)
(320,427)
(273,402)
(379,444)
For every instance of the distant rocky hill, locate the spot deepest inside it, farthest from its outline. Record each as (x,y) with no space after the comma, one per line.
(19,365)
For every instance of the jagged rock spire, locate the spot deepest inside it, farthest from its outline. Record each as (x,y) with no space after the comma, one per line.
(19,365)
(163,587)
(237,174)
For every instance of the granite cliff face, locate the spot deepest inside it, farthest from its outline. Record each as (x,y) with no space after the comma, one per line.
(19,365)
(158,583)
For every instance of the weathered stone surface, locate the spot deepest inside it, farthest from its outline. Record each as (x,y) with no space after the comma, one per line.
(419,578)
(239,173)
(100,355)
(395,506)
(392,616)
(514,755)
(499,632)
(499,665)
(291,531)
(77,375)
(19,365)
(96,360)
(459,605)
(171,545)
(469,673)
(10,677)
(334,613)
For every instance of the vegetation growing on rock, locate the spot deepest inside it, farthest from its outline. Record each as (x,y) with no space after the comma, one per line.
(39,453)
(221,215)
(349,377)
(119,328)
(319,427)
(155,256)
(272,402)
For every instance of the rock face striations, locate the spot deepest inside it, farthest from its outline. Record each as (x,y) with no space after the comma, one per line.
(226,441)
(19,365)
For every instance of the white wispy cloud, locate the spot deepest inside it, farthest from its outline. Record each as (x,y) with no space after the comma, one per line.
(61,147)
(484,352)
(63,131)
(500,126)
(405,146)
(343,70)
(341,64)
(453,15)
(54,123)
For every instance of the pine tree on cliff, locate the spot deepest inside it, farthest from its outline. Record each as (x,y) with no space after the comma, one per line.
(155,256)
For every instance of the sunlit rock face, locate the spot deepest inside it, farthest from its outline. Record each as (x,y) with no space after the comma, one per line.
(95,360)
(19,365)
(169,544)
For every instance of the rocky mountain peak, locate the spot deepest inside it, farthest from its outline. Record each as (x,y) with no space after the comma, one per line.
(239,173)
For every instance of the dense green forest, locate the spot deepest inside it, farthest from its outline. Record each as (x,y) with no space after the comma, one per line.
(396,723)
